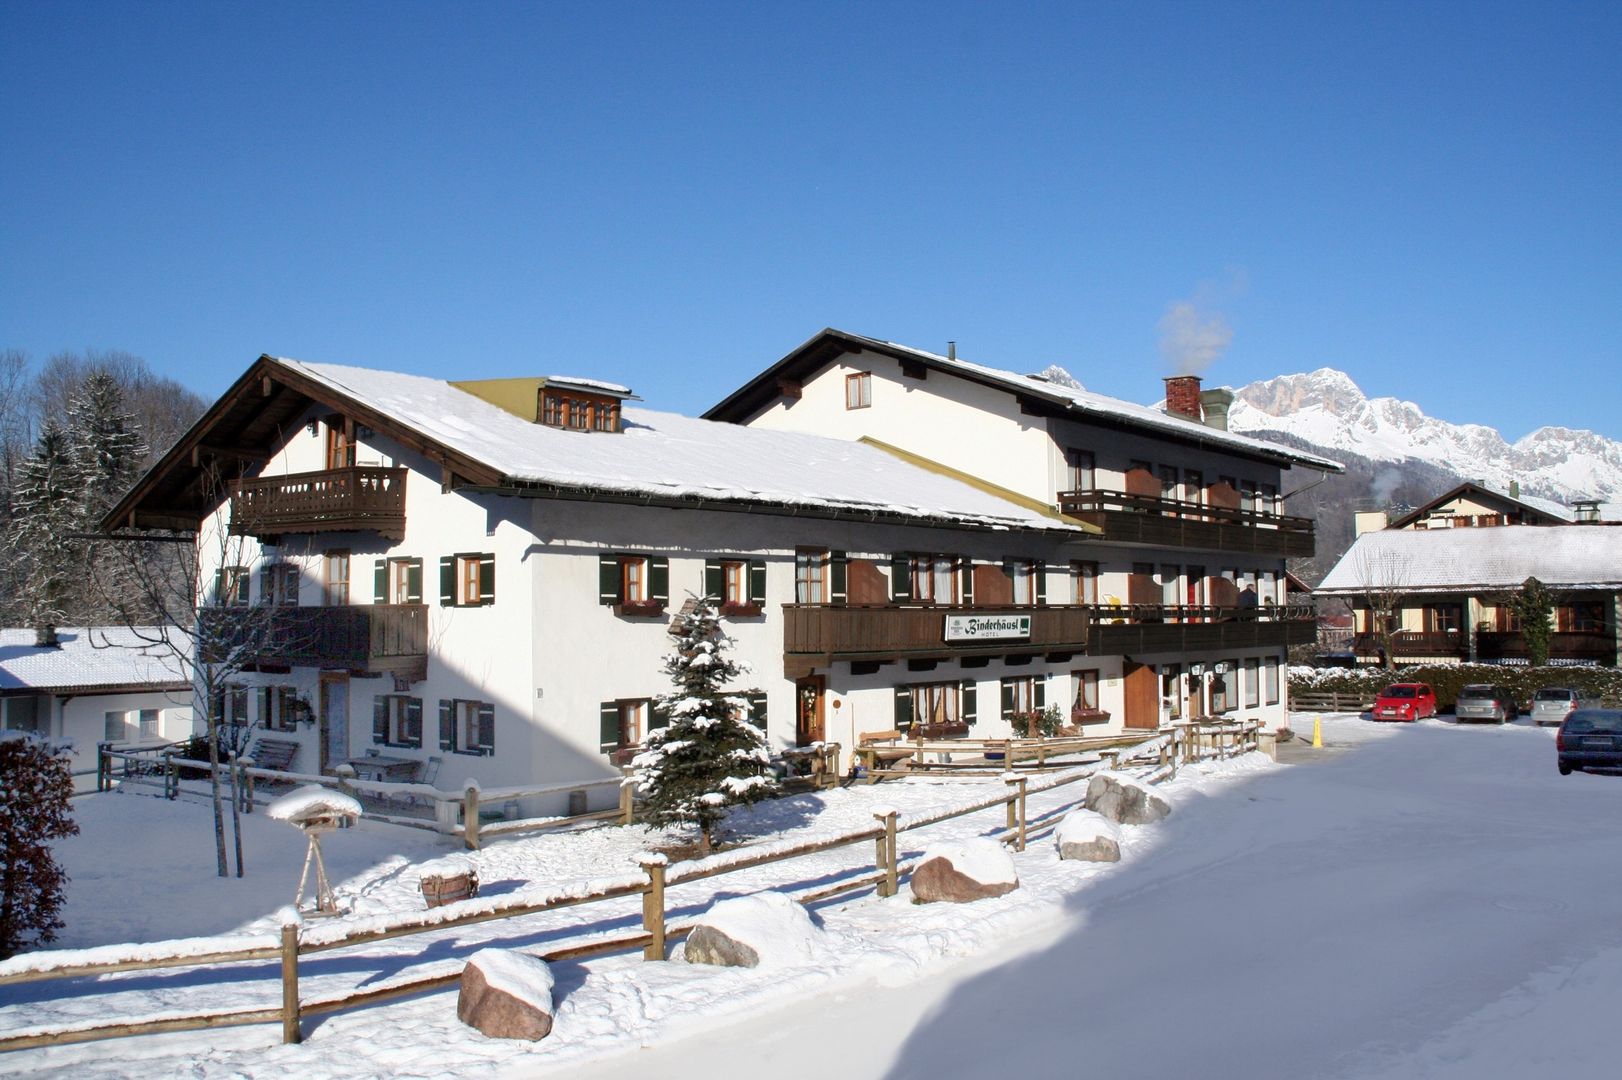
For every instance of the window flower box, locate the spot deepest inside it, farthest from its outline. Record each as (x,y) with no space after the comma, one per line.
(640,609)
(739,610)
(954,729)
(1089,716)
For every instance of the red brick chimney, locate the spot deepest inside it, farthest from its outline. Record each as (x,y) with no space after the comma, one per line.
(1183,397)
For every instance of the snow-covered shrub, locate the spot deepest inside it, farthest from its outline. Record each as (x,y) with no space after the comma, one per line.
(36,782)
(1447,679)
(705,756)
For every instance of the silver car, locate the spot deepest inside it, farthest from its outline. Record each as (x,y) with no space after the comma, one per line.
(1484,701)
(1553,704)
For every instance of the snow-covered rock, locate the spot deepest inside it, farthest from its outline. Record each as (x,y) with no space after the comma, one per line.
(1125,799)
(506,995)
(962,871)
(310,802)
(749,931)
(1088,837)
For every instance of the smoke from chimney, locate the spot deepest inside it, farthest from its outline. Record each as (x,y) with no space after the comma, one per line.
(1192,342)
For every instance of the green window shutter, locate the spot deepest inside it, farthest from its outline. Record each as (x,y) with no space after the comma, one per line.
(1039,576)
(264,696)
(659,579)
(609,581)
(414,589)
(900,577)
(219,587)
(608,725)
(380,719)
(903,708)
(970,693)
(1040,694)
(1007,699)
(713,583)
(447,581)
(447,725)
(487,579)
(657,718)
(485,739)
(413,721)
(380,581)
(757,710)
(966,576)
(838,577)
(757,581)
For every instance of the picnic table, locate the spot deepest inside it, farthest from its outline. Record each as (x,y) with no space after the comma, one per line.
(381,767)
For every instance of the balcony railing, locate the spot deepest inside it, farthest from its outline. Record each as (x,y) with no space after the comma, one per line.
(1171,628)
(1598,646)
(365,639)
(1411,643)
(1152,520)
(366,498)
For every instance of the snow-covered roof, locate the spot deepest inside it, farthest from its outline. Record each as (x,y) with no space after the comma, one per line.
(89,659)
(668,455)
(1449,560)
(587,384)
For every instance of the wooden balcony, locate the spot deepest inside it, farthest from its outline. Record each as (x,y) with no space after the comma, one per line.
(363,639)
(815,636)
(1174,628)
(1172,523)
(1409,644)
(1571,647)
(362,498)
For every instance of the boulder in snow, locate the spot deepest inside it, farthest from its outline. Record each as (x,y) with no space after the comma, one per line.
(957,873)
(1125,799)
(749,931)
(506,995)
(1088,837)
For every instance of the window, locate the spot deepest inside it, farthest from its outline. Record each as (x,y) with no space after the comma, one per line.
(1193,486)
(397,581)
(739,585)
(148,721)
(1196,586)
(340,447)
(231,586)
(1272,680)
(280,708)
(397,720)
(465,580)
(633,584)
(927,579)
(1583,617)
(115,726)
(811,576)
(1509,620)
(1442,618)
(467,727)
(1029,577)
(1250,497)
(278,584)
(1086,691)
(624,724)
(1225,686)
(1170,594)
(1168,482)
(859,390)
(26,712)
(1023,694)
(1270,502)
(1079,465)
(934,703)
(578,412)
(1171,690)
(1252,683)
(1085,575)
(335,578)
(230,704)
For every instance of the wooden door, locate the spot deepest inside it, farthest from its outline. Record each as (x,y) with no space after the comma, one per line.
(334,720)
(808,715)
(1142,695)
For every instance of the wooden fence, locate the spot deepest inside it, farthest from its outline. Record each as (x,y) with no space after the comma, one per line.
(1161,753)
(1330,701)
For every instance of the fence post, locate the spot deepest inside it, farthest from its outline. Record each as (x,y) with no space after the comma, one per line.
(470,817)
(247,785)
(627,796)
(171,777)
(1016,809)
(891,875)
(653,905)
(290,1017)
(102,767)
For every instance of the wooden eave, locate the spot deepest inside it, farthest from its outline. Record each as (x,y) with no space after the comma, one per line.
(242,430)
(1469,487)
(830,344)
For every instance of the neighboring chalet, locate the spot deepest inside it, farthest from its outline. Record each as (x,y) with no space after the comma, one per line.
(96,684)
(487,572)
(1445,572)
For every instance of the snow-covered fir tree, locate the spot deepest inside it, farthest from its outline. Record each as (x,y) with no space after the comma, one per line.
(704,756)
(47,510)
(106,446)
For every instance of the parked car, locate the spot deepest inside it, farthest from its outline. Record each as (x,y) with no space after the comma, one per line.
(1405,701)
(1553,704)
(1590,739)
(1486,701)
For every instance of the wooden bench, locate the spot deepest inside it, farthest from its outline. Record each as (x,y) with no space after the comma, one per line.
(881,747)
(274,754)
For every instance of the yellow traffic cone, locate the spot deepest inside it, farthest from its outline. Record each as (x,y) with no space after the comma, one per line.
(1318,732)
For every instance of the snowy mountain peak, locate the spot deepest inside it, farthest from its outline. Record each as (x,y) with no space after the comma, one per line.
(1058,376)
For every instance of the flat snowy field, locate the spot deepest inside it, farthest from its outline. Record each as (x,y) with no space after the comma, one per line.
(1427,901)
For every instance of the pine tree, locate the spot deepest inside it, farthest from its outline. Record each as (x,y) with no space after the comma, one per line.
(35,786)
(106,446)
(47,509)
(706,756)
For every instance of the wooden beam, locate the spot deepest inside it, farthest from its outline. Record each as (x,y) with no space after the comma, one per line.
(914,369)
(789,388)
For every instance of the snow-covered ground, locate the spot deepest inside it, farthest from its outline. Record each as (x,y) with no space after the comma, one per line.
(1431,901)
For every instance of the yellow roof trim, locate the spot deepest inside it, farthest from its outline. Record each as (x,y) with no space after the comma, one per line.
(980,484)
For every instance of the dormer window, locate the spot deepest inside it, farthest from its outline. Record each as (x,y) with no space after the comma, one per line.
(576,411)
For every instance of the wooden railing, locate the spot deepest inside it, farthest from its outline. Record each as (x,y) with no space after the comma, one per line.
(859,632)
(357,498)
(1413,643)
(1151,519)
(363,638)
(1134,628)
(1563,645)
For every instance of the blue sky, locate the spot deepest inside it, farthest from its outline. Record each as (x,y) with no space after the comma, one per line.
(673,196)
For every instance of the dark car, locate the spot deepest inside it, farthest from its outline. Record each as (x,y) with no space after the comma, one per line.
(1484,701)
(1404,701)
(1590,739)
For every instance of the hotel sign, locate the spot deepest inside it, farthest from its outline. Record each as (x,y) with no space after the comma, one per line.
(988,627)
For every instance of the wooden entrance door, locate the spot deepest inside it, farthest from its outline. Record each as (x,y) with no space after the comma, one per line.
(1142,695)
(808,715)
(334,720)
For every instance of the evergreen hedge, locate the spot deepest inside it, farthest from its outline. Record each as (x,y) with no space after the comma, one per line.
(1447,679)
